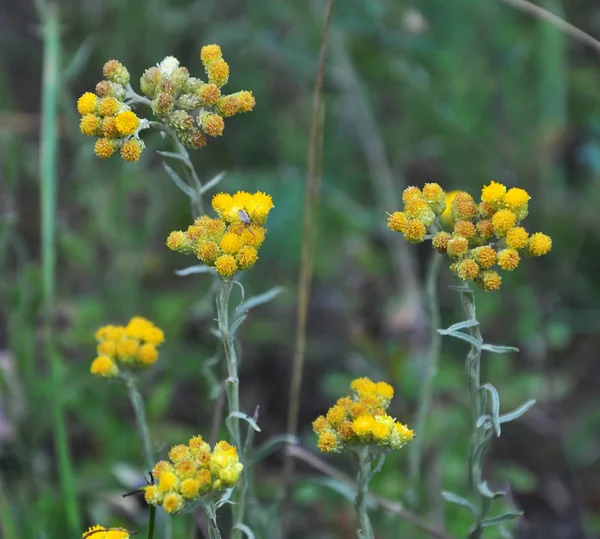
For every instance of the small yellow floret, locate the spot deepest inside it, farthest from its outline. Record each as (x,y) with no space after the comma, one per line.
(490,280)
(127,122)
(246,257)
(167,481)
(222,203)
(466,229)
(492,194)
(485,229)
(396,221)
(328,442)
(457,247)
(516,198)
(230,243)
(431,191)
(226,266)
(218,72)
(104,366)
(172,503)
(363,426)
(131,150)
(210,94)
(259,206)
(104,148)
(246,101)
(86,104)
(503,221)
(189,488)
(440,242)
(411,192)
(210,53)
(508,259)
(147,354)
(539,244)
(108,106)
(381,431)
(414,231)
(516,237)
(90,124)
(320,424)
(212,124)
(467,269)
(107,348)
(463,207)
(384,390)
(485,256)
(335,415)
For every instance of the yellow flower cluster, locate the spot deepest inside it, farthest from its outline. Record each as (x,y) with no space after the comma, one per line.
(131,346)
(192,107)
(105,115)
(193,471)
(361,419)
(100,532)
(482,235)
(231,241)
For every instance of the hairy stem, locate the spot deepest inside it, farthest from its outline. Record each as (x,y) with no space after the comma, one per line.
(233,399)
(473,365)
(141,422)
(211,517)
(365,530)
(428,372)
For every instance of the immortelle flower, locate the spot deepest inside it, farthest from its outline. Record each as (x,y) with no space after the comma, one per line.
(477,236)
(230,242)
(361,420)
(192,472)
(100,532)
(134,346)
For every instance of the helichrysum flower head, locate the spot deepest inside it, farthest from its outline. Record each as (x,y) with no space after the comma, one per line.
(361,419)
(230,242)
(478,236)
(193,471)
(100,532)
(122,348)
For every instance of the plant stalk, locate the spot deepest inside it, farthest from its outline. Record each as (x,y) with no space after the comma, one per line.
(211,517)
(473,366)
(365,530)
(232,388)
(415,453)
(48,189)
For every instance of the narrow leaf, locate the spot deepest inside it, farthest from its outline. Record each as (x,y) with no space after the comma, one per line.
(224,499)
(510,416)
(171,155)
(245,417)
(459,500)
(499,349)
(484,420)
(261,299)
(461,325)
(500,519)
(213,182)
(495,406)
(488,493)
(242,292)
(247,531)
(463,336)
(79,59)
(235,326)
(179,182)
(200,268)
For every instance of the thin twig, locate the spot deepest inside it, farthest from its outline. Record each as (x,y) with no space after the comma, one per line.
(561,24)
(392,506)
(310,199)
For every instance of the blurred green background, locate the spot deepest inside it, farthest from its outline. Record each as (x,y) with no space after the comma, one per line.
(455,92)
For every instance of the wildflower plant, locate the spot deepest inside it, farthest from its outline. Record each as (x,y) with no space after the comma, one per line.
(195,476)
(359,423)
(184,108)
(478,238)
(100,532)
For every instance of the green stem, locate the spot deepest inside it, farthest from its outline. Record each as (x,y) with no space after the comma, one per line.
(365,530)
(233,400)
(428,373)
(473,365)
(211,517)
(151,521)
(137,402)
(48,151)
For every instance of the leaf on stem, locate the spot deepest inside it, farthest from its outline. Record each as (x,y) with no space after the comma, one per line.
(246,418)
(486,492)
(179,182)
(261,299)
(236,325)
(270,446)
(460,325)
(462,336)
(243,528)
(500,519)
(459,500)
(496,349)
(510,416)
(200,268)
(213,182)
(495,406)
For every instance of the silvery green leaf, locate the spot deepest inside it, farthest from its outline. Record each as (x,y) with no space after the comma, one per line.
(460,325)
(347,491)
(499,349)
(459,500)
(510,416)
(271,445)
(225,498)
(179,182)
(235,326)
(463,336)
(171,155)
(243,528)
(500,519)
(200,268)
(261,299)
(242,291)
(245,417)
(495,406)
(79,59)
(213,182)
(488,493)
(485,418)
